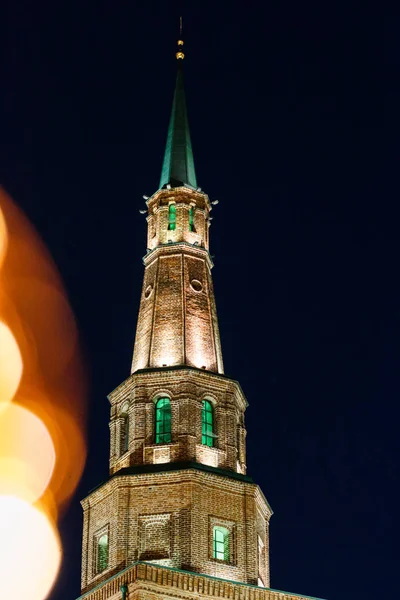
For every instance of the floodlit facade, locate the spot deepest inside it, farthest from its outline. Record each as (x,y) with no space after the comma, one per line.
(178,517)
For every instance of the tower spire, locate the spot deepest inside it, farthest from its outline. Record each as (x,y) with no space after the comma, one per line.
(178,165)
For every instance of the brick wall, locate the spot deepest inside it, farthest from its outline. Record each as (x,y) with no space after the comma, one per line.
(177,321)
(184,199)
(186,388)
(168,517)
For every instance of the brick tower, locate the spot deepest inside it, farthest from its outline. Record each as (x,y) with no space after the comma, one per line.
(178,516)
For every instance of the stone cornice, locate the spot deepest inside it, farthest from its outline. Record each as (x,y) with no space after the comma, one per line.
(178,248)
(195,195)
(182,585)
(173,470)
(165,372)
(263,504)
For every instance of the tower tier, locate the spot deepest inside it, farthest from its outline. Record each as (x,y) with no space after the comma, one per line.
(173,515)
(177,323)
(201,420)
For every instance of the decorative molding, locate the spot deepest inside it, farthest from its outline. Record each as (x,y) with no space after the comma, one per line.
(220,383)
(162,455)
(155,536)
(173,583)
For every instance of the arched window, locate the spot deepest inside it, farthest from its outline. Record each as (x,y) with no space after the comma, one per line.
(172,217)
(102,553)
(207,424)
(221,549)
(163,421)
(124,434)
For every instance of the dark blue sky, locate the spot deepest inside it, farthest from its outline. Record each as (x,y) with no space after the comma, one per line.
(285,105)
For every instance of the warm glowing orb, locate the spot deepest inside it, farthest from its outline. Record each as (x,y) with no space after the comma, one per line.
(27,454)
(10,365)
(30,552)
(3,237)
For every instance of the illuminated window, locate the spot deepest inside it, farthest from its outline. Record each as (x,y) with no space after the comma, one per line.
(191,219)
(163,421)
(221,549)
(102,553)
(207,424)
(172,217)
(124,435)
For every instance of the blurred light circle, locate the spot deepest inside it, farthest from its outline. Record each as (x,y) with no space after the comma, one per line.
(30,553)
(45,320)
(16,479)
(70,450)
(10,365)
(27,455)
(3,237)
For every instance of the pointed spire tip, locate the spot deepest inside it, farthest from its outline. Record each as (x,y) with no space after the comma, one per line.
(178,165)
(180,55)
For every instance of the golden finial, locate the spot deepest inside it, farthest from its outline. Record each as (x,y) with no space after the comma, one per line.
(180,55)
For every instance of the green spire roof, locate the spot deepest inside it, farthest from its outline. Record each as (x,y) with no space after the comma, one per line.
(178,165)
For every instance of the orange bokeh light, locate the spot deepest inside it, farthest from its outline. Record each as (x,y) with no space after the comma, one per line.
(10,365)
(42,408)
(27,455)
(3,237)
(30,554)
(35,308)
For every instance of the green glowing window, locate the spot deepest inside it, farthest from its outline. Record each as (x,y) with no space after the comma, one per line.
(163,421)
(102,553)
(221,543)
(191,219)
(207,424)
(124,435)
(172,217)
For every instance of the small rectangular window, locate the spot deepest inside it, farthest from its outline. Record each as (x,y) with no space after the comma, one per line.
(207,424)
(221,543)
(124,435)
(172,217)
(101,552)
(191,219)
(261,561)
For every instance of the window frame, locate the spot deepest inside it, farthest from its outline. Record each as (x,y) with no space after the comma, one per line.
(207,423)
(221,548)
(124,434)
(162,426)
(98,565)
(191,219)
(172,217)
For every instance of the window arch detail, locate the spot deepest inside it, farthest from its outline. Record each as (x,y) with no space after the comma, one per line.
(207,424)
(163,421)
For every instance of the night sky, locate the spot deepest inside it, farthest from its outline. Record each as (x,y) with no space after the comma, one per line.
(285,112)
